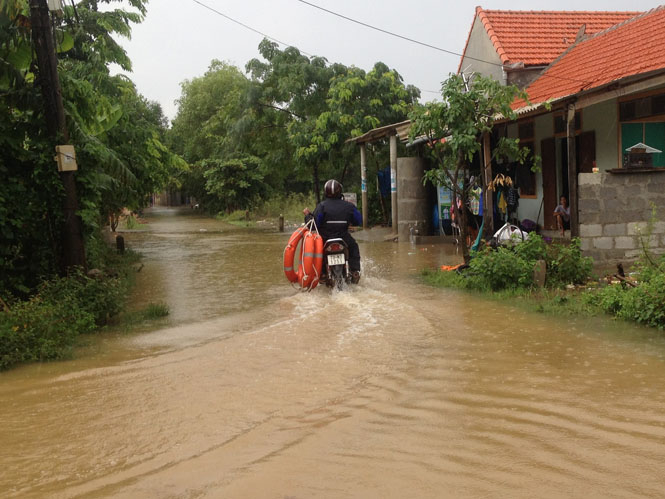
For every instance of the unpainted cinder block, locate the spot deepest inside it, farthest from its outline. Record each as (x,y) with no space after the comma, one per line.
(625,242)
(590,178)
(636,228)
(603,243)
(614,229)
(591,230)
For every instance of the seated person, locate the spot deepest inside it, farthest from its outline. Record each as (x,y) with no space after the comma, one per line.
(562,215)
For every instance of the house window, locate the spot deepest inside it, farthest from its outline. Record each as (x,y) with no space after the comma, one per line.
(525,129)
(525,178)
(649,133)
(643,107)
(560,125)
(643,120)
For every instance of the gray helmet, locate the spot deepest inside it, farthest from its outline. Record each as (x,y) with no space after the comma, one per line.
(333,189)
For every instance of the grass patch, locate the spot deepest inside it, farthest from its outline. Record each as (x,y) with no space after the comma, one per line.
(239,218)
(155,311)
(132,223)
(129,320)
(549,301)
(288,205)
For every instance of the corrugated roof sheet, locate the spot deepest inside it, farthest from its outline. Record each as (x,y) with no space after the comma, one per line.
(634,47)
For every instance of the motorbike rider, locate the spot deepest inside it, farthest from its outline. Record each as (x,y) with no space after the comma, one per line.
(333,216)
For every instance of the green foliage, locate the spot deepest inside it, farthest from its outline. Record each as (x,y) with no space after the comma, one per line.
(100,298)
(46,326)
(444,279)
(499,269)
(290,205)
(566,265)
(321,105)
(118,135)
(466,112)
(37,330)
(512,268)
(531,249)
(235,182)
(155,311)
(208,110)
(644,303)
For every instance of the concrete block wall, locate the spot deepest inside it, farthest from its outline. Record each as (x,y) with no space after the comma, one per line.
(614,210)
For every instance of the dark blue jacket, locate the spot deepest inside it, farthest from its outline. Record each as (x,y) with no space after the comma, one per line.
(333,217)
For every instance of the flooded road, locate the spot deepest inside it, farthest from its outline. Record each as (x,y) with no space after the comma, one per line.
(391,389)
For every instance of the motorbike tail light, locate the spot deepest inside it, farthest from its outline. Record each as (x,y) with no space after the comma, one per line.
(335,247)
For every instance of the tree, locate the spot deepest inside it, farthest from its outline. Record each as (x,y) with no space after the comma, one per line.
(235,182)
(208,108)
(357,102)
(297,85)
(221,136)
(118,135)
(468,110)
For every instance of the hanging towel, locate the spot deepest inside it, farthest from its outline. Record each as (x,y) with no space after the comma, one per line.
(502,204)
(474,202)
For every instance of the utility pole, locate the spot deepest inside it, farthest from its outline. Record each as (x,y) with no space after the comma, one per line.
(73,251)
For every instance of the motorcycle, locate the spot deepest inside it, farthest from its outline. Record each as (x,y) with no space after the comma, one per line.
(336,263)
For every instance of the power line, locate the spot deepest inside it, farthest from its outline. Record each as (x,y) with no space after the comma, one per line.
(434,47)
(248,27)
(384,30)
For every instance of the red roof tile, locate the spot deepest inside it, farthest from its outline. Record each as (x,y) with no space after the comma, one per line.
(539,37)
(633,47)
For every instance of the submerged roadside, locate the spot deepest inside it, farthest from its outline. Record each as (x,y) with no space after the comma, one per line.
(49,323)
(557,279)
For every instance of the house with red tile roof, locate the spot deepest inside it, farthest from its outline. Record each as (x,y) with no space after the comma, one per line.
(514,46)
(596,116)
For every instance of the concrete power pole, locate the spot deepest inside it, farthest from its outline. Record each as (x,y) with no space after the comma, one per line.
(73,251)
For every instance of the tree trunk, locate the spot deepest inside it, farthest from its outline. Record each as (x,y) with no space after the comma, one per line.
(317,189)
(462,195)
(73,251)
(341,180)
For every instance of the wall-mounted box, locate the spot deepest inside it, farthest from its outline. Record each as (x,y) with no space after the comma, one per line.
(54,5)
(66,158)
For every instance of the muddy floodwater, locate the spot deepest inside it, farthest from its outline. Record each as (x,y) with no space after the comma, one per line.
(391,389)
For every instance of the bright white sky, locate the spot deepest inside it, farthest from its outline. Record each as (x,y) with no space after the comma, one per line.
(179,38)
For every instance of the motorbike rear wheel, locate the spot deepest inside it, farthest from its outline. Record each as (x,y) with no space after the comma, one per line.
(337,276)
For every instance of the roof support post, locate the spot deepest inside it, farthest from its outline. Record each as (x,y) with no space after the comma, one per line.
(363,182)
(393,181)
(572,172)
(488,205)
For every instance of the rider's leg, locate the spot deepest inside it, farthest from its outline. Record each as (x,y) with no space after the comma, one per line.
(354,252)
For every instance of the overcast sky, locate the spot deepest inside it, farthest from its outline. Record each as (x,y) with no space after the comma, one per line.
(179,38)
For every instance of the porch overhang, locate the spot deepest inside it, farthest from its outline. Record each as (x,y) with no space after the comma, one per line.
(585,98)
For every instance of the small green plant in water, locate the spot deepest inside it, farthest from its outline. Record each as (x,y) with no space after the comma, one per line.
(155,311)
(132,223)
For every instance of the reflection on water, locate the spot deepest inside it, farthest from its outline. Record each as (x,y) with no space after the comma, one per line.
(390,389)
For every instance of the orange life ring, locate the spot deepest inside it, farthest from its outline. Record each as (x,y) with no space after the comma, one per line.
(290,253)
(309,271)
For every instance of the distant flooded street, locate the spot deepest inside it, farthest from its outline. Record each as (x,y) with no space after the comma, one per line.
(390,389)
